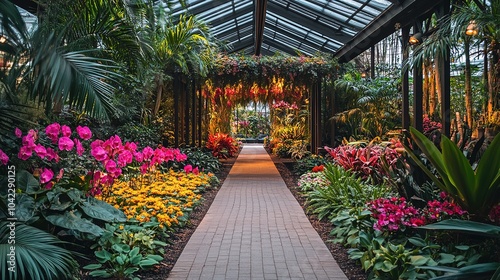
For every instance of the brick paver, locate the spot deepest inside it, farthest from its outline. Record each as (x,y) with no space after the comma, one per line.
(255,229)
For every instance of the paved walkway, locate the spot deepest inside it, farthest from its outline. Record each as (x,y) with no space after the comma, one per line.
(255,229)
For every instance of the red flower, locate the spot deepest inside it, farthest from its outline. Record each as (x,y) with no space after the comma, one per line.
(318,168)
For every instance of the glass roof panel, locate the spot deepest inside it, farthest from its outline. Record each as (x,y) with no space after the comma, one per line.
(308,25)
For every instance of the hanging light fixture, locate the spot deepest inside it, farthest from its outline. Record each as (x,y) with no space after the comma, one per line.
(415,39)
(471,29)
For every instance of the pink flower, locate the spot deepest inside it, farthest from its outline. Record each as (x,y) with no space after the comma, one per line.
(60,174)
(84,132)
(52,131)
(99,153)
(113,170)
(188,168)
(41,151)
(49,185)
(124,158)
(79,148)
(65,144)
(66,131)
(4,159)
(196,170)
(144,168)
(51,154)
(18,132)
(147,153)
(24,153)
(46,175)
(130,146)
(96,143)
(29,141)
(138,156)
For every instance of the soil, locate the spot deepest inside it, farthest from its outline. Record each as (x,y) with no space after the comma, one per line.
(180,238)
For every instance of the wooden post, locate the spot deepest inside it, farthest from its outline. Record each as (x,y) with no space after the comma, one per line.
(405,84)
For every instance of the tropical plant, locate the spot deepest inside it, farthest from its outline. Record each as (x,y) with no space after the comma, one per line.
(222,145)
(475,190)
(489,270)
(53,72)
(344,189)
(27,252)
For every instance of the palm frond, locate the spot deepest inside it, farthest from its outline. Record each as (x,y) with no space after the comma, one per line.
(38,254)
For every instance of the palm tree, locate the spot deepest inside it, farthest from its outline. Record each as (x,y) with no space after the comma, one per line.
(47,69)
(182,46)
(451,35)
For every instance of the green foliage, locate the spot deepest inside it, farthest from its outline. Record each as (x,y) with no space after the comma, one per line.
(126,249)
(344,190)
(394,260)
(470,270)
(348,225)
(67,208)
(201,158)
(476,191)
(306,163)
(38,254)
(140,134)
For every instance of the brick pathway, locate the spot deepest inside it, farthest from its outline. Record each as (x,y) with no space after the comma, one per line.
(255,229)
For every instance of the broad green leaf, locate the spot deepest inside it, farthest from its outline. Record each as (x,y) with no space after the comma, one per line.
(431,151)
(93,266)
(488,172)
(27,182)
(419,260)
(459,171)
(25,207)
(467,227)
(70,221)
(103,211)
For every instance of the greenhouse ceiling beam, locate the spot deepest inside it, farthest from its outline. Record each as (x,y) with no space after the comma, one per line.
(259,21)
(297,38)
(309,23)
(245,43)
(234,15)
(283,47)
(203,6)
(403,13)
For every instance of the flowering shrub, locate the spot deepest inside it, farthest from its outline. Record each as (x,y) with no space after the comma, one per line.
(283,105)
(59,150)
(395,214)
(366,162)
(222,145)
(312,180)
(167,196)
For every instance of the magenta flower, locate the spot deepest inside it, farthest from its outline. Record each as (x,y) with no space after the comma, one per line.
(188,168)
(124,158)
(4,159)
(65,144)
(18,132)
(41,151)
(66,131)
(96,143)
(29,141)
(147,153)
(138,156)
(196,170)
(52,131)
(84,132)
(46,175)
(99,153)
(24,153)
(144,168)
(52,155)
(130,146)
(79,147)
